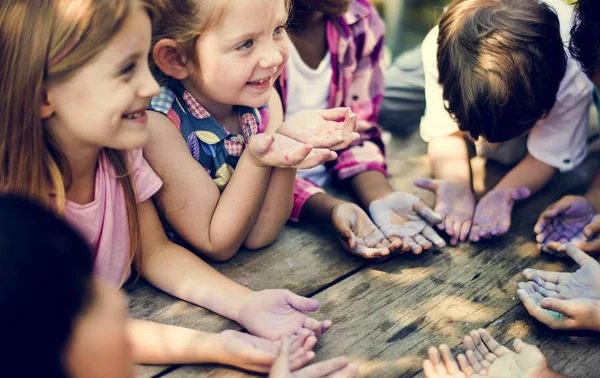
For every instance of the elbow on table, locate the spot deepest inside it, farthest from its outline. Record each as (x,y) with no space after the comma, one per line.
(258,241)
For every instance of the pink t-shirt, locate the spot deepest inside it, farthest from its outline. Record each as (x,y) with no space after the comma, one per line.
(104,222)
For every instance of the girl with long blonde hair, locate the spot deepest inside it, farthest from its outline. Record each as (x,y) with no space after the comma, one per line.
(75,84)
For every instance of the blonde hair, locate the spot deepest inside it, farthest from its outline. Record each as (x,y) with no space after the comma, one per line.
(67,34)
(184,21)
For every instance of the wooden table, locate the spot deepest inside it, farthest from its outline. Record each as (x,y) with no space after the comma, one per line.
(386,315)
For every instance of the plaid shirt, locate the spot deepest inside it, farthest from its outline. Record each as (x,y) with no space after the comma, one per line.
(355,42)
(217,149)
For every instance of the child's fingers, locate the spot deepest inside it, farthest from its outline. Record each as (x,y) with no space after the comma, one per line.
(593,229)
(333,114)
(414,246)
(493,346)
(433,236)
(547,276)
(426,184)
(429,369)
(427,213)
(449,363)
(436,360)
(464,365)
(579,256)
(474,234)
(349,123)
(323,369)
(448,225)
(300,361)
(464,230)
(424,243)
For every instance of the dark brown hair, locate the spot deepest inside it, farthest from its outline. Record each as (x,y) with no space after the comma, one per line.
(585,36)
(500,63)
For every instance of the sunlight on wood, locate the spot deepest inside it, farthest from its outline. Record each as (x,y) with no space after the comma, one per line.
(406,277)
(518,330)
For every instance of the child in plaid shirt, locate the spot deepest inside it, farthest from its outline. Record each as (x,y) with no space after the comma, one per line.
(336,59)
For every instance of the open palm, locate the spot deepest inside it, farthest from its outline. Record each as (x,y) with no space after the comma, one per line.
(273,314)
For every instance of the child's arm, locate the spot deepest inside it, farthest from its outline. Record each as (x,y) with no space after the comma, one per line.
(278,202)
(155,343)
(493,213)
(214,223)
(177,271)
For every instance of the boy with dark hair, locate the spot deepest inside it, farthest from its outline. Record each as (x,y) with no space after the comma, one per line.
(497,71)
(575,219)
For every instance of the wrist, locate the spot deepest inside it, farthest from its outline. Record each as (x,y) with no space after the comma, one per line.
(371,186)
(319,207)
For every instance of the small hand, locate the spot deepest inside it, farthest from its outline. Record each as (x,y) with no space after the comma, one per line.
(441,364)
(321,128)
(564,300)
(358,234)
(336,367)
(280,151)
(257,354)
(485,357)
(455,202)
(492,214)
(406,217)
(274,314)
(571,219)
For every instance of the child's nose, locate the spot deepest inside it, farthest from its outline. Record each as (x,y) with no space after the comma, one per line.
(273,57)
(149,87)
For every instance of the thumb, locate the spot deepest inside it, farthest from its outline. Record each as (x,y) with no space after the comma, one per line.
(520,194)
(349,123)
(557,305)
(281,367)
(578,255)
(335,114)
(426,213)
(519,345)
(591,230)
(260,143)
(426,184)
(303,304)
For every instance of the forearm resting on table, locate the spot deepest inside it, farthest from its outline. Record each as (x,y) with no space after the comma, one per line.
(529,173)
(370,186)
(275,211)
(161,344)
(449,158)
(318,208)
(179,272)
(593,193)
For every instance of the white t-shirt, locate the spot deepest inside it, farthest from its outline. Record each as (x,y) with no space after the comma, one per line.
(307,89)
(558,140)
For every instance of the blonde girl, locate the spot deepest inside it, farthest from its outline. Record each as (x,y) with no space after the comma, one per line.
(217,61)
(75,84)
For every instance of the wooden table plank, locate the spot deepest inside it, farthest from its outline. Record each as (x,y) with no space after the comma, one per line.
(386,316)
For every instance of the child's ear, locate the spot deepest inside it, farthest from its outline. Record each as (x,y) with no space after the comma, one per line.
(169,59)
(46,105)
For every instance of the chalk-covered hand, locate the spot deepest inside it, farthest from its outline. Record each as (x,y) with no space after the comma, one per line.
(493,213)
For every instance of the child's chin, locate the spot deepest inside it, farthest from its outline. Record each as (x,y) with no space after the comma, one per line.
(257,101)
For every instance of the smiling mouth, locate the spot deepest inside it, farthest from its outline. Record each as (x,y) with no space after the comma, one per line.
(259,82)
(135,115)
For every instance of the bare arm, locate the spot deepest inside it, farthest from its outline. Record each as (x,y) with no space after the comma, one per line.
(279,198)
(529,173)
(214,223)
(450,158)
(178,272)
(155,343)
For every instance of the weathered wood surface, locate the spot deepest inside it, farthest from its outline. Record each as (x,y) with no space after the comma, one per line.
(387,315)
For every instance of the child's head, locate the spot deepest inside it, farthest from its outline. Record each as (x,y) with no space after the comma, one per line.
(54,313)
(74,78)
(500,63)
(585,38)
(328,7)
(224,51)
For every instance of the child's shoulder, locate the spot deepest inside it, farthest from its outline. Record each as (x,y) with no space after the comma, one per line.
(164,101)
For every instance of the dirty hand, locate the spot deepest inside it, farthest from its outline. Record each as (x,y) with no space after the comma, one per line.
(455,202)
(358,234)
(321,128)
(402,216)
(273,314)
(493,212)
(280,151)
(570,220)
(338,367)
